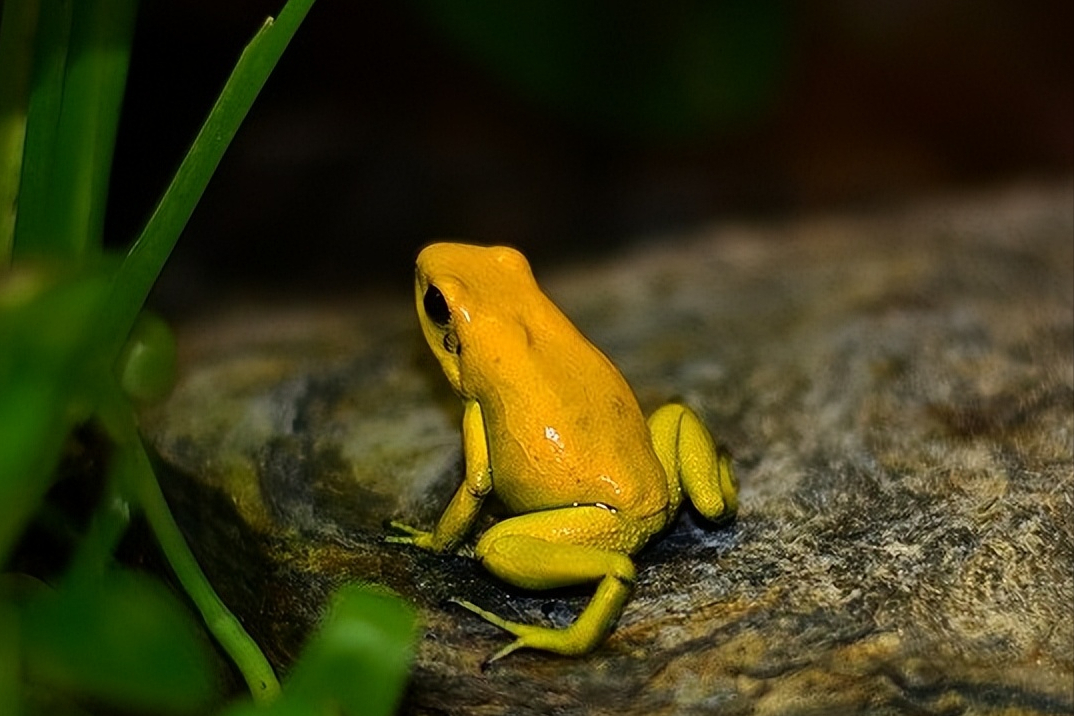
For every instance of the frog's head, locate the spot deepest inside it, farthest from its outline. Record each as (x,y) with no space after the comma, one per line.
(471,301)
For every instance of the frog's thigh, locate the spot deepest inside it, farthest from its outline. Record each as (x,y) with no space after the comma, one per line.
(690,456)
(560,547)
(556,548)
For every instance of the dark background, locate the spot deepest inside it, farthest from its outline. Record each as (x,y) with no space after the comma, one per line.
(569,127)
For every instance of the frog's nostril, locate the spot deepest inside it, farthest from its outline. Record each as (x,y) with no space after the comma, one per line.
(451,343)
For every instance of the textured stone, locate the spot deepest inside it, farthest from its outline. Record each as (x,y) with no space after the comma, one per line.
(897,388)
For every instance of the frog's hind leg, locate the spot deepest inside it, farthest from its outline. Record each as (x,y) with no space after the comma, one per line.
(690,458)
(558,548)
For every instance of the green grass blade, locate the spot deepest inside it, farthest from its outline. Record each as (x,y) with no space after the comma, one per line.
(83,54)
(42,122)
(148,254)
(18,25)
(93,96)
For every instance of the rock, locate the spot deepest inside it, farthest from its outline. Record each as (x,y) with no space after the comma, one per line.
(897,388)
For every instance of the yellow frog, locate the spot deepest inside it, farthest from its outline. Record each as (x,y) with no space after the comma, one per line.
(552,428)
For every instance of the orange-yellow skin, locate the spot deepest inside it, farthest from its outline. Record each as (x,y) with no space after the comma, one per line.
(551,427)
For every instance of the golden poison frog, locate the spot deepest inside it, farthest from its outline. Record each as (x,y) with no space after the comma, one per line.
(552,428)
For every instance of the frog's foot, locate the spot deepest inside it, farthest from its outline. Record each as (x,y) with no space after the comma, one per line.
(560,641)
(531,551)
(579,638)
(411,535)
(522,631)
(691,459)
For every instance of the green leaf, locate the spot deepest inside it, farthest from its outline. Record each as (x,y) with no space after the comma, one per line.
(361,656)
(124,639)
(357,662)
(47,352)
(18,26)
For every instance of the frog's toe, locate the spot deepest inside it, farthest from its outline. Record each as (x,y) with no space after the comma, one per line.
(487,615)
(410,535)
(403,527)
(569,641)
(519,630)
(516,644)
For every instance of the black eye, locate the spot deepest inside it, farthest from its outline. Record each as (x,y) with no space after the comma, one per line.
(436,307)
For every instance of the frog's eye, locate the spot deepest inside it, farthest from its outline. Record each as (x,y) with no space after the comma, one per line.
(436,307)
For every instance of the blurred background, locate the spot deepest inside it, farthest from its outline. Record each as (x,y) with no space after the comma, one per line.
(570,127)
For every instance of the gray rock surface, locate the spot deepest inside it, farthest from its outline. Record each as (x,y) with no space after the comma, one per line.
(897,388)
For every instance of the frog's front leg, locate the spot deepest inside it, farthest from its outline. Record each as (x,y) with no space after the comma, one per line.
(558,548)
(693,462)
(460,513)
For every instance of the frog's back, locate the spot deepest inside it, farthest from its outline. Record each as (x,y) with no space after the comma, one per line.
(563,426)
(567,429)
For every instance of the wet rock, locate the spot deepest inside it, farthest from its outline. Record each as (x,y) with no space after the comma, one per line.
(897,388)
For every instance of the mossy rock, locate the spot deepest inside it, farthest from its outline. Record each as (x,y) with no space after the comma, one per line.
(897,388)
